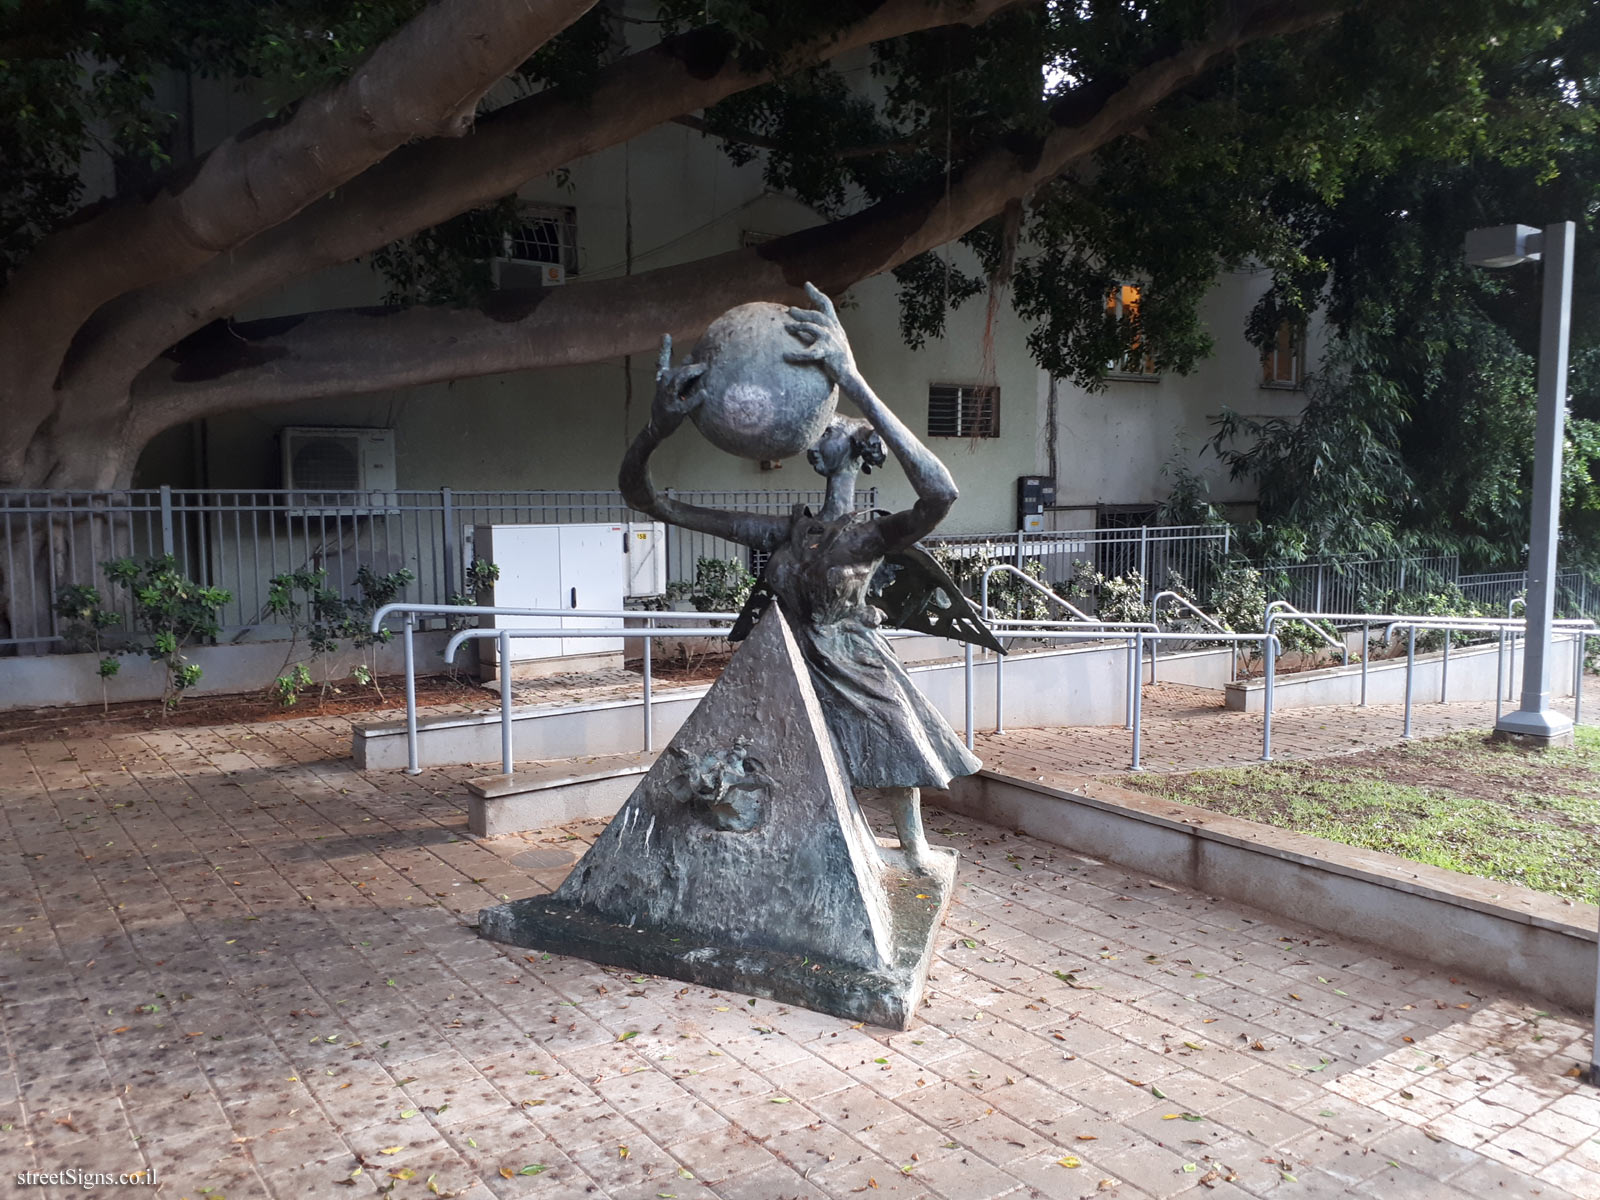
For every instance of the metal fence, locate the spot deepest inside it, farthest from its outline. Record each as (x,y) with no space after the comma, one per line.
(1191,556)
(1357,585)
(1494,591)
(239,540)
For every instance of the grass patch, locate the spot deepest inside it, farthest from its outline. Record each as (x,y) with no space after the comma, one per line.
(1460,802)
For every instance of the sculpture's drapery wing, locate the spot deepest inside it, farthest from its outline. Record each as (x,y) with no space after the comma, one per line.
(911,590)
(755,604)
(915,592)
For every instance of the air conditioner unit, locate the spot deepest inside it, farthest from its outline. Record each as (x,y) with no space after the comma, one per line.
(338,470)
(512,274)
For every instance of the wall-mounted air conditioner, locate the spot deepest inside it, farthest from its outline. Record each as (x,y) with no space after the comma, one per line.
(338,470)
(511,274)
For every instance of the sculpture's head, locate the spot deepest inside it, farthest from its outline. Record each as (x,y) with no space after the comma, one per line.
(846,440)
(750,401)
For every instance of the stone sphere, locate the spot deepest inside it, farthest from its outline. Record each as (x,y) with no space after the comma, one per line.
(753,403)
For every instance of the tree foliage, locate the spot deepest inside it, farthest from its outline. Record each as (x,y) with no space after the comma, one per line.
(1040,149)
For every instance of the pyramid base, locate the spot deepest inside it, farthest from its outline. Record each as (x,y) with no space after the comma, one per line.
(888,997)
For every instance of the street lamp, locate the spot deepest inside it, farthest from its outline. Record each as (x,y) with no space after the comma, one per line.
(1504,246)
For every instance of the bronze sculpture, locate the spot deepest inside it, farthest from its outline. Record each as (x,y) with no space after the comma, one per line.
(742,859)
(820,566)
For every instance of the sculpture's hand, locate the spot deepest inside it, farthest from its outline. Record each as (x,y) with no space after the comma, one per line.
(676,396)
(820,332)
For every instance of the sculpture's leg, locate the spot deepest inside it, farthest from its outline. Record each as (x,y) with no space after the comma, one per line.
(905,807)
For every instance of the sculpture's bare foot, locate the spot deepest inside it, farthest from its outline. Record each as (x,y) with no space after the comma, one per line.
(905,807)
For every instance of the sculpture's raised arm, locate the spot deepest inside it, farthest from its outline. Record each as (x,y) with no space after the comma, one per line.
(827,347)
(674,401)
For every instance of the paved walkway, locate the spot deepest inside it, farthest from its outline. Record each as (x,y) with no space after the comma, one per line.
(231,958)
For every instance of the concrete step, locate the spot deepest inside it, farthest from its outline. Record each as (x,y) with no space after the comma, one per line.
(547,794)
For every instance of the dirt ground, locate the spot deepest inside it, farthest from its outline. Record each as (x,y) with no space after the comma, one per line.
(346,699)
(349,697)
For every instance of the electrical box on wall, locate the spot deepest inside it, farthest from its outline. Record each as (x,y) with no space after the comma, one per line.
(555,567)
(1035,493)
(644,545)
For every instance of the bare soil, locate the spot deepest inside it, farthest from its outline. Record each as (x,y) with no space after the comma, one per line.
(246,708)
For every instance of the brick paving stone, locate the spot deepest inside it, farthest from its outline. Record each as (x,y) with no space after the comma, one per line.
(282,946)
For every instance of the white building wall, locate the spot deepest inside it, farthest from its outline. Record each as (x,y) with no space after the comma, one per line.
(567,428)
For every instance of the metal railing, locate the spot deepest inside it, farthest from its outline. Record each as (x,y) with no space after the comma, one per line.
(1212,622)
(1023,627)
(238,540)
(1580,629)
(1349,584)
(647,630)
(1573,593)
(1196,554)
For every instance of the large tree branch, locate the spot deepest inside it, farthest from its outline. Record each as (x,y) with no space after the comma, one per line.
(424,81)
(354,351)
(422,185)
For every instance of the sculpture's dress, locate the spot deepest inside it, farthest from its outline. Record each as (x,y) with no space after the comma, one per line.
(887,733)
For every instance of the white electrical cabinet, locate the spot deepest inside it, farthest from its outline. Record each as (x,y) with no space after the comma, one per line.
(559,567)
(645,547)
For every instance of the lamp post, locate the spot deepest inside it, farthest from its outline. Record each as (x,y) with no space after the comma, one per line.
(1533,723)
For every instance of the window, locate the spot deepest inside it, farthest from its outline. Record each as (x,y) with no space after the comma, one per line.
(1284,365)
(1122,304)
(963,410)
(548,234)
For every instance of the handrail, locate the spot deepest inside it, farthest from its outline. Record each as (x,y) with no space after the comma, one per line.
(1135,692)
(983,591)
(1155,606)
(1085,631)
(1288,612)
(489,610)
(410,611)
(504,636)
(1078,615)
(1136,639)
(1155,616)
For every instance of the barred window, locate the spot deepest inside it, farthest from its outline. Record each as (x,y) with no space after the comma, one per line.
(963,410)
(548,234)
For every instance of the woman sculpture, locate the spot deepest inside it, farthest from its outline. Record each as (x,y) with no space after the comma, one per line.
(890,739)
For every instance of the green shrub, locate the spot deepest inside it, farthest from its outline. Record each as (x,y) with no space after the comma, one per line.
(720,585)
(323,618)
(174,611)
(84,622)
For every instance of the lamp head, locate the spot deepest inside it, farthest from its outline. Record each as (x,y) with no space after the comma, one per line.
(1503,245)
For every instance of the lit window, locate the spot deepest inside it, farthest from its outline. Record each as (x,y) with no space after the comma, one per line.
(963,410)
(1284,365)
(1122,304)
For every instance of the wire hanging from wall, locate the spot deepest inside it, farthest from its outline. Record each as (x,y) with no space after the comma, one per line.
(627,269)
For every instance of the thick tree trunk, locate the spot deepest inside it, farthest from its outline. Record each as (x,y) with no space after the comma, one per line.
(83,428)
(309,356)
